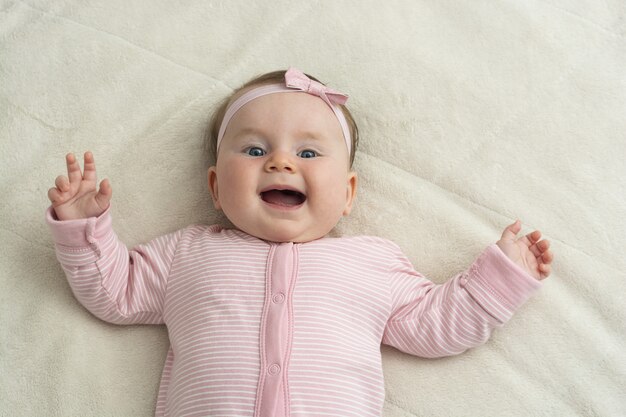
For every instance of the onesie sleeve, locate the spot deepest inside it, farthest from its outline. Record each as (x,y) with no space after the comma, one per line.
(432,320)
(117,285)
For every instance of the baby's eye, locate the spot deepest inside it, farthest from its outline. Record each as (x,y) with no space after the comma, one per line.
(307,154)
(255,151)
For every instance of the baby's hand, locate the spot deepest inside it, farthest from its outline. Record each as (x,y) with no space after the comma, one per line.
(77,198)
(529,252)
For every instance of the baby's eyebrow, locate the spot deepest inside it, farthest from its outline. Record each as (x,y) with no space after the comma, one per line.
(306,134)
(249,131)
(309,134)
(314,135)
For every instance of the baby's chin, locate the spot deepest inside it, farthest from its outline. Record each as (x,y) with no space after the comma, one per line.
(285,235)
(278,237)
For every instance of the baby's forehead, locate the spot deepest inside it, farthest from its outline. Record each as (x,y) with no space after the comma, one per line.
(277,106)
(296,108)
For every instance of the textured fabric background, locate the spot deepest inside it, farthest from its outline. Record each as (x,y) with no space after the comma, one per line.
(472,114)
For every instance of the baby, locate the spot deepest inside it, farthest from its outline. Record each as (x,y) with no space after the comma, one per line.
(273,318)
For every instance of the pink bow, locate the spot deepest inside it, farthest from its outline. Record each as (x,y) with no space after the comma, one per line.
(297,79)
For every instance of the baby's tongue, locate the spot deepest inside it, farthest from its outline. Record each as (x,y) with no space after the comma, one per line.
(282,198)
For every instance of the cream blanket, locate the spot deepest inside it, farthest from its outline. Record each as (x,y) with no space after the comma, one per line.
(472,114)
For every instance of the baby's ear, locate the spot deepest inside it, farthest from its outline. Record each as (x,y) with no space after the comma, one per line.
(212,179)
(350,192)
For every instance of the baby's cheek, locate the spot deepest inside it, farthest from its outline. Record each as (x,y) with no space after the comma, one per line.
(334,202)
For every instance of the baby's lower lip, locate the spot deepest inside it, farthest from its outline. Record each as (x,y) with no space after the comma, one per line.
(283,207)
(283,199)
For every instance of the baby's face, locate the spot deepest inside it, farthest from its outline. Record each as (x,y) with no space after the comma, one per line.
(282,171)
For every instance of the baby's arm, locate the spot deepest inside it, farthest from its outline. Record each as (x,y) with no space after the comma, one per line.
(116,284)
(432,320)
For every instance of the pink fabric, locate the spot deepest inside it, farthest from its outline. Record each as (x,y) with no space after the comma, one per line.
(264,329)
(277,331)
(295,81)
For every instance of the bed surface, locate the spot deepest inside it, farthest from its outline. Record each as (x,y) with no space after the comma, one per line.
(471,114)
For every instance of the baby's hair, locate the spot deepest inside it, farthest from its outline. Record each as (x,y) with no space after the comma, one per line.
(274,77)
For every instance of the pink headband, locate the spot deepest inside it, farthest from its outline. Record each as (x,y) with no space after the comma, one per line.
(295,81)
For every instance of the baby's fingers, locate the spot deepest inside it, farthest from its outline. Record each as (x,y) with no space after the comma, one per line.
(104,194)
(511,231)
(534,236)
(547,257)
(544,270)
(538,248)
(90,167)
(62,183)
(54,195)
(57,195)
(73,169)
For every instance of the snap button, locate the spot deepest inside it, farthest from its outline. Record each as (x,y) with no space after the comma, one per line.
(273,369)
(278,298)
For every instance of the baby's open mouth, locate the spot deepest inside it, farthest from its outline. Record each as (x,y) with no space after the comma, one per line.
(286,198)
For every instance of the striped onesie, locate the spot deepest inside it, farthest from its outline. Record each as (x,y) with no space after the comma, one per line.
(281,329)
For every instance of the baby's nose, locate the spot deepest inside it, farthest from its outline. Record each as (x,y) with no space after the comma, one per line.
(280,162)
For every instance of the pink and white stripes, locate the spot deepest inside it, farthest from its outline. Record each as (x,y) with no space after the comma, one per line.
(272,330)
